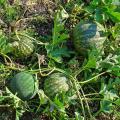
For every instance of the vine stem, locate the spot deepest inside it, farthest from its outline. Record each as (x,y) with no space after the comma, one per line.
(40,43)
(4,106)
(5,56)
(92,94)
(92,79)
(40,68)
(91,99)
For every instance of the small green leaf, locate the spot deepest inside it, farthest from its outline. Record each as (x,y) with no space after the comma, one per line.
(55,50)
(115,16)
(78,116)
(3,2)
(106,106)
(43,99)
(4,45)
(57,53)
(109,95)
(92,59)
(100,15)
(117,102)
(2,98)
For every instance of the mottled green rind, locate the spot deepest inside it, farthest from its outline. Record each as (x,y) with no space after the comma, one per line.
(23,85)
(56,83)
(87,35)
(23,47)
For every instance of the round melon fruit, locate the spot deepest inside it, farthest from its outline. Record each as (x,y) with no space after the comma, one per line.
(87,35)
(56,83)
(22,47)
(23,85)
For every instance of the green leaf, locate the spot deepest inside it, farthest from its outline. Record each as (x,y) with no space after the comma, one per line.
(106,106)
(91,63)
(108,91)
(57,53)
(78,116)
(100,15)
(4,46)
(117,102)
(115,70)
(109,95)
(3,2)
(2,98)
(59,104)
(114,15)
(42,97)
(111,62)
(107,2)
(10,13)
(95,2)
(59,34)
(116,81)
(55,50)
(64,15)
(92,59)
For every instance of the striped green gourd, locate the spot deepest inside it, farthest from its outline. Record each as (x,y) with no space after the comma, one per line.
(56,83)
(23,85)
(87,35)
(23,46)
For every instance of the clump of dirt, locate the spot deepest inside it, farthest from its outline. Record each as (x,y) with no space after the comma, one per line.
(103,116)
(30,116)
(6,113)
(27,116)
(44,28)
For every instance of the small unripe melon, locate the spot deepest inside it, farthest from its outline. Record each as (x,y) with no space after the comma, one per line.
(56,83)
(23,85)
